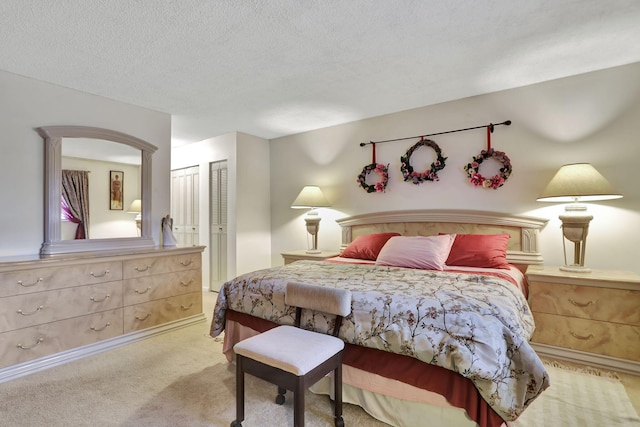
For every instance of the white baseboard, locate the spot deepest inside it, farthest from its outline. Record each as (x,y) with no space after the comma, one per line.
(27,368)
(590,359)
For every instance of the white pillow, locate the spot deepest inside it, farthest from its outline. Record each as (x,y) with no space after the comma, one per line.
(425,252)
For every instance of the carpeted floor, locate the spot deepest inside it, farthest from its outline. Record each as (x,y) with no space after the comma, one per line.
(582,398)
(182,379)
(178,379)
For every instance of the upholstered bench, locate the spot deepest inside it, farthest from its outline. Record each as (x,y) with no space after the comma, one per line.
(293,358)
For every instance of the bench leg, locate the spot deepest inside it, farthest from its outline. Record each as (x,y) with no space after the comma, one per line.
(337,381)
(239,390)
(298,404)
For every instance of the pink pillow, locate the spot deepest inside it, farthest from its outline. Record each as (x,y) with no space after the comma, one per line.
(367,247)
(425,252)
(479,250)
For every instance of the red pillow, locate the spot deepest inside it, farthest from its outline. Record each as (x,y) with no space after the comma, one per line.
(479,250)
(367,247)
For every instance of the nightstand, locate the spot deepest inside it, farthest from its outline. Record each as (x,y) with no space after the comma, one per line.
(587,317)
(292,256)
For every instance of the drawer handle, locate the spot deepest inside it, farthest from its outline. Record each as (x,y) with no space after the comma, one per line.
(30,313)
(143,318)
(580,304)
(93,328)
(187,263)
(21,283)
(185,307)
(99,275)
(187,283)
(142,292)
(24,347)
(145,268)
(101,300)
(581,337)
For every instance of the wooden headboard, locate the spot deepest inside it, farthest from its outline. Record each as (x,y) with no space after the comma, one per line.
(524,230)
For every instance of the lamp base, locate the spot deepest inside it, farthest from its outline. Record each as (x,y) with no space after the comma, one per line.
(575,227)
(575,269)
(313,224)
(139,224)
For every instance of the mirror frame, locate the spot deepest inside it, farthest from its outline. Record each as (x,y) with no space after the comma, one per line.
(53,244)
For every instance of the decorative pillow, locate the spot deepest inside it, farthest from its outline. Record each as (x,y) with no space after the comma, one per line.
(425,252)
(367,247)
(479,250)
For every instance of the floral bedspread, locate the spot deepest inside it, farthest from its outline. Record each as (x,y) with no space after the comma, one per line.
(476,325)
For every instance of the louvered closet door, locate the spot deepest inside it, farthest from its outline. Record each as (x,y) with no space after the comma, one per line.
(185,205)
(218,224)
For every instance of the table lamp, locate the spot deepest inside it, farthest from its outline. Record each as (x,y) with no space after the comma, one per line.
(136,208)
(311,197)
(578,182)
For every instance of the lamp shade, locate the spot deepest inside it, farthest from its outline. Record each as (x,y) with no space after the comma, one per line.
(578,182)
(310,197)
(136,207)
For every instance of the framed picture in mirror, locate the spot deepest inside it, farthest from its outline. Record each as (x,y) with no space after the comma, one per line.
(116,182)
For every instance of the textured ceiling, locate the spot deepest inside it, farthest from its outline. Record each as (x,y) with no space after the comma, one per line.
(277,67)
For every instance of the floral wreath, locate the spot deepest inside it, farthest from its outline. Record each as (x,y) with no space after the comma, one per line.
(495,181)
(379,186)
(428,175)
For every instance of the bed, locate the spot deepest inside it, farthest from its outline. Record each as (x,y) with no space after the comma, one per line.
(440,322)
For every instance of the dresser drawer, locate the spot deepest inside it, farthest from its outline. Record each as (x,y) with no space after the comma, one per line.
(161,264)
(33,309)
(586,302)
(611,339)
(150,288)
(19,282)
(146,315)
(43,340)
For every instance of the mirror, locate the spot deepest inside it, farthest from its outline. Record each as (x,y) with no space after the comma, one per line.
(111,156)
(112,172)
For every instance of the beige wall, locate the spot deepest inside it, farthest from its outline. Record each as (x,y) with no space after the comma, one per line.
(588,118)
(591,118)
(26,104)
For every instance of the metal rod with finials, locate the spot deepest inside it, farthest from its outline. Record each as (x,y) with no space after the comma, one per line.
(491,126)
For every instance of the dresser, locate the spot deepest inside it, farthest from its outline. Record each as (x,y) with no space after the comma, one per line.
(591,318)
(61,308)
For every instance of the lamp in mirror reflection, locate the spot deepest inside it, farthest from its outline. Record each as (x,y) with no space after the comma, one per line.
(311,197)
(136,208)
(573,184)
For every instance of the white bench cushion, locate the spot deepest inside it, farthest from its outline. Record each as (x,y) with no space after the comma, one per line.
(289,348)
(319,298)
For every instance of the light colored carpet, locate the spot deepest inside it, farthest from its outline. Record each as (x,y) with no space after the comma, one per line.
(178,379)
(581,398)
(182,379)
